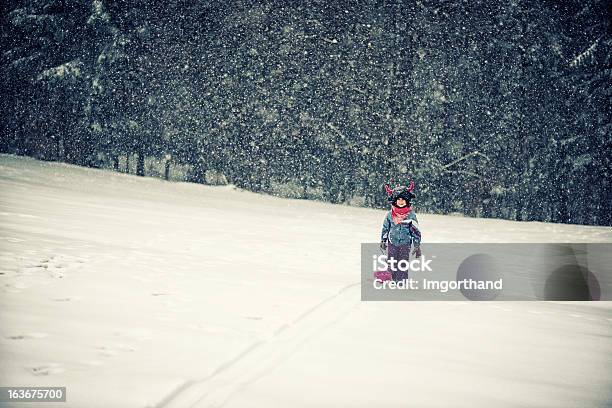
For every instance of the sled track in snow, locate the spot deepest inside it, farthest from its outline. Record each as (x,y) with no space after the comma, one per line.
(262,356)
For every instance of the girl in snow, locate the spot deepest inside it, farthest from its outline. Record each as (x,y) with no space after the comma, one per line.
(400,229)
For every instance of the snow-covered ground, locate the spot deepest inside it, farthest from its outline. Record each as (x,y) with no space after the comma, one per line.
(137,292)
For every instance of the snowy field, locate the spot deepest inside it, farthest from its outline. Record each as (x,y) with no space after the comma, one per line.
(135,292)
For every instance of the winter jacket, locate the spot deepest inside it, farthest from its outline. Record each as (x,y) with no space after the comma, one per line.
(405,233)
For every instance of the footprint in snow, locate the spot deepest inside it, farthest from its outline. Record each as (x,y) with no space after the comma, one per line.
(125,347)
(112,350)
(45,369)
(25,336)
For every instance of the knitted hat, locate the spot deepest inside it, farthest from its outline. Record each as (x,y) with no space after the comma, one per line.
(400,192)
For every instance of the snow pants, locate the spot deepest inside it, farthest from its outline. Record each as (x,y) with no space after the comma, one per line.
(398,252)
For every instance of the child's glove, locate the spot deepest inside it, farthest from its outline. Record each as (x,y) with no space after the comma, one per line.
(383,245)
(417,252)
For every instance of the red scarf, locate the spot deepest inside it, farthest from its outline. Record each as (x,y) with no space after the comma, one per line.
(398,214)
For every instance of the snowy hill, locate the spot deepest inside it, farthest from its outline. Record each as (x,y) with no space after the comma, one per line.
(135,292)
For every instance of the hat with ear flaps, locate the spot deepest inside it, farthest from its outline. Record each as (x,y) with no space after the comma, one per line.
(400,191)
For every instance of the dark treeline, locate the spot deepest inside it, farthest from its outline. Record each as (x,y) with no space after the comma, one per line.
(494,108)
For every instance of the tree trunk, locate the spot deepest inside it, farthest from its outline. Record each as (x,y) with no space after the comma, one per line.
(127,163)
(116,163)
(167,170)
(518,207)
(304,188)
(140,165)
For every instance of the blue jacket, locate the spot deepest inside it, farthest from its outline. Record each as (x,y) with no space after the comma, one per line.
(405,233)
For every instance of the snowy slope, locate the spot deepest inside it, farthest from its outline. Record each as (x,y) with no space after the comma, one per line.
(136,292)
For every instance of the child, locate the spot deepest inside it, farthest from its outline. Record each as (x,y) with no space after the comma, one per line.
(400,228)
